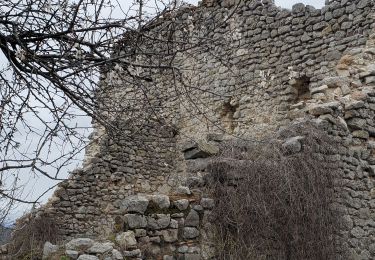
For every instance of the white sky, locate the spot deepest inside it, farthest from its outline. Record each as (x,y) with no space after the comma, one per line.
(290,3)
(38,185)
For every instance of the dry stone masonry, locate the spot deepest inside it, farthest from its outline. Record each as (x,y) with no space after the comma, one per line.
(156,226)
(276,66)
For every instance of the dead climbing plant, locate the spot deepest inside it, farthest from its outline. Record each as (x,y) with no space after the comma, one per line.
(271,204)
(29,235)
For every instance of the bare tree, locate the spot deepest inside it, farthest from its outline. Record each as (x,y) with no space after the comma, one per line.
(55,52)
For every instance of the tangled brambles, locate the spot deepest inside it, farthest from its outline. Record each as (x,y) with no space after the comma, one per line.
(30,234)
(274,202)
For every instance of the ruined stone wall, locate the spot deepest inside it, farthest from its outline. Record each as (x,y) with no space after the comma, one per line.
(262,60)
(250,68)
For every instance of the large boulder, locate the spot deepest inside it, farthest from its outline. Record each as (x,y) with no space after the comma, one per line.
(293,145)
(100,248)
(49,249)
(79,243)
(134,204)
(161,201)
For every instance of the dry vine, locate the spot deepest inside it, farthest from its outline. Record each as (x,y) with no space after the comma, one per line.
(271,205)
(30,234)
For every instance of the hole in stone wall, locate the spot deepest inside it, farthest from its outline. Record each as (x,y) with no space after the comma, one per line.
(227,116)
(301,86)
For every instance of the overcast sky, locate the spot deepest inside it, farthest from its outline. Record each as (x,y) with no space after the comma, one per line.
(38,185)
(290,3)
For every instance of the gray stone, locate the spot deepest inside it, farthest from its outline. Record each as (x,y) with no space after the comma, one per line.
(283,29)
(356,123)
(228,3)
(162,201)
(140,232)
(183,249)
(155,239)
(173,224)
(333,82)
(370,51)
(305,38)
(135,221)
(299,105)
(198,207)
(369,71)
(298,8)
(370,79)
(318,96)
(194,249)
(132,253)
(326,108)
(137,204)
(88,257)
(183,190)
(361,134)
(371,144)
(170,235)
(72,254)
(320,89)
(49,249)
(354,104)
(177,215)
(158,221)
(126,239)
(363,4)
(190,232)
(100,248)
(116,255)
(79,243)
(346,25)
(187,145)
(333,55)
(192,219)
(358,232)
(182,204)
(345,89)
(293,145)
(328,16)
(320,110)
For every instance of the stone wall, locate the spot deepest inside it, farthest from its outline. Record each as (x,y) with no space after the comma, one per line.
(263,60)
(247,68)
(152,227)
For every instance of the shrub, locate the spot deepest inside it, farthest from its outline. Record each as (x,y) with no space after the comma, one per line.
(273,205)
(30,234)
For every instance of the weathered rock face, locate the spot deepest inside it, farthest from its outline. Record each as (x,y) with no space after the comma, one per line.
(278,66)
